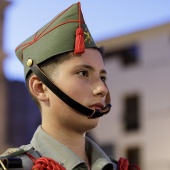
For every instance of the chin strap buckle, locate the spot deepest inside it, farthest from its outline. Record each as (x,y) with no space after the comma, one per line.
(89,117)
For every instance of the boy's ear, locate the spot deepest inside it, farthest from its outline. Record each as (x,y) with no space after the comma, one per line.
(37,88)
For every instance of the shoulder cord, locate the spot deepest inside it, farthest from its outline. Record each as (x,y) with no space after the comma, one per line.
(123,164)
(45,163)
(50,164)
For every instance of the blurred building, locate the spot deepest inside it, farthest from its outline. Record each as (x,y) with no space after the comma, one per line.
(19,117)
(138,126)
(3,5)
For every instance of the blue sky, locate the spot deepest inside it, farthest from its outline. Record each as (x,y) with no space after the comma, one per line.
(105,19)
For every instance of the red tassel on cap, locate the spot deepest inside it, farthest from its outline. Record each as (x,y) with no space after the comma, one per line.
(79,41)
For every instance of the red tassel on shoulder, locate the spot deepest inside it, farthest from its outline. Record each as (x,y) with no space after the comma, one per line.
(123,164)
(79,42)
(44,163)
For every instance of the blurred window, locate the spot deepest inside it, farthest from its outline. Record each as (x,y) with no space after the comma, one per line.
(133,155)
(131,112)
(128,56)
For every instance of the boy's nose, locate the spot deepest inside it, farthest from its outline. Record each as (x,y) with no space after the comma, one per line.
(100,89)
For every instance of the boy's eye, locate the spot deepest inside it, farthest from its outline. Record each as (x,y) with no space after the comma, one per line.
(103,78)
(83,73)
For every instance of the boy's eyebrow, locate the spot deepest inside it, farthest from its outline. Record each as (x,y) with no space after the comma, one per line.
(103,71)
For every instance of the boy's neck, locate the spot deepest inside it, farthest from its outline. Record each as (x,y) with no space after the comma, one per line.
(74,141)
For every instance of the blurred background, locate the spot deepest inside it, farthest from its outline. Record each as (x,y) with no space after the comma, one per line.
(136,38)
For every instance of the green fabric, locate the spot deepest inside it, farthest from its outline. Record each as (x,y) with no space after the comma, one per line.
(43,145)
(53,39)
(49,147)
(11,152)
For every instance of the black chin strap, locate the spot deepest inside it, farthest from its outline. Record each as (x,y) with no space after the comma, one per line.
(64,97)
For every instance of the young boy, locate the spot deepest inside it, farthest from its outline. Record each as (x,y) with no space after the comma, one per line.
(65,75)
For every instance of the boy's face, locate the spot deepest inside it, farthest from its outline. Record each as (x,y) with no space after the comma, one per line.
(83,79)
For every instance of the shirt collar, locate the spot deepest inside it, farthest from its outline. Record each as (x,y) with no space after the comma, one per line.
(98,157)
(47,146)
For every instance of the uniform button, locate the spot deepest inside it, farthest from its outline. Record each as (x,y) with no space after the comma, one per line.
(29,62)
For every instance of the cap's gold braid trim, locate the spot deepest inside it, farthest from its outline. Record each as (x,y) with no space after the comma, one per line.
(43,33)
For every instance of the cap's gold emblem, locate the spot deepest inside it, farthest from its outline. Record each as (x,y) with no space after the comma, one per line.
(88,37)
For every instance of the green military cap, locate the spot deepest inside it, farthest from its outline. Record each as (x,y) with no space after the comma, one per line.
(65,33)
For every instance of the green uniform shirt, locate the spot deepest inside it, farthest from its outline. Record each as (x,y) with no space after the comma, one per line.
(47,146)
(43,145)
